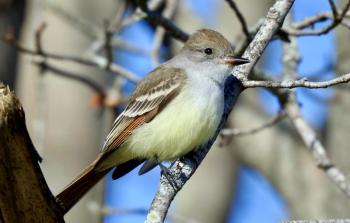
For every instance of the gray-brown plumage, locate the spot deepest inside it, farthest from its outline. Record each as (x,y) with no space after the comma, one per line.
(173,110)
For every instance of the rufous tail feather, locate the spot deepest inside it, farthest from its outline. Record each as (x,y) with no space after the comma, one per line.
(80,186)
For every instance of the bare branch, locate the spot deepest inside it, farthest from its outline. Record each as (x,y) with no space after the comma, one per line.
(98,61)
(38,37)
(239,132)
(316,148)
(333,8)
(88,82)
(77,22)
(273,22)
(312,20)
(305,131)
(297,83)
(108,46)
(241,18)
(336,16)
(158,20)
(168,12)
(139,14)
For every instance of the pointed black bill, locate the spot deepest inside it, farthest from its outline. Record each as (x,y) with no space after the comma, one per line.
(235,60)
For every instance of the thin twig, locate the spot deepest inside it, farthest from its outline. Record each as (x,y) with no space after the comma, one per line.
(38,37)
(337,18)
(108,46)
(239,132)
(98,61)
(110,29)
(297,83)
(158,20)
(80,78)
(168,13)
(139,14)
(77,22)
(241,19)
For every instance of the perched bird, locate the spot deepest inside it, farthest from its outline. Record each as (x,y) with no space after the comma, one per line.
(174,109)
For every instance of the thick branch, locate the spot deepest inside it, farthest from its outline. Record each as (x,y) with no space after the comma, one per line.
(183,169)
(24,194)
(316,148)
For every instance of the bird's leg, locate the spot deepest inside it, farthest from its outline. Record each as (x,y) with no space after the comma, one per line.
(172,164)
(166,172)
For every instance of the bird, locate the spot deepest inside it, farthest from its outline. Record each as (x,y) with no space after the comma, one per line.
(176,108)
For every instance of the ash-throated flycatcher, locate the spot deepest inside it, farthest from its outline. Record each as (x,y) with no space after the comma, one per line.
(174,109)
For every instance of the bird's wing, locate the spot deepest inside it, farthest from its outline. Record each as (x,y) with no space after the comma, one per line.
(149,98)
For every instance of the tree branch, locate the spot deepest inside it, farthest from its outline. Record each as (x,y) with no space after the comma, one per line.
(159,20)
(336,16)
(297,83)
(241,19)
(159,35)
(97,62)
(316,148)
(308,135)
(239,132)
(24,194)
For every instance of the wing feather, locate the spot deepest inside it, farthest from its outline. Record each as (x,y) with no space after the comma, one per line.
(154,92)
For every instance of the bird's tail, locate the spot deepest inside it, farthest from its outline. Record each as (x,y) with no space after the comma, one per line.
(80,186)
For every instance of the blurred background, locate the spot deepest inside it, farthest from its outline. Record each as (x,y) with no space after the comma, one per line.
(268,176)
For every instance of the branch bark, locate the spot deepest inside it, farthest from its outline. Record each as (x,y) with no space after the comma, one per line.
(24,194)
(297,83)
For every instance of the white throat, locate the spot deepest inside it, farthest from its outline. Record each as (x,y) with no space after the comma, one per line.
(201,71)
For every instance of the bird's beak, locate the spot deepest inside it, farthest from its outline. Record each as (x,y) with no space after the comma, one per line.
(235,60)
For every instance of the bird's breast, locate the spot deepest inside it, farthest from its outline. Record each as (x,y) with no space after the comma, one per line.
(188,121)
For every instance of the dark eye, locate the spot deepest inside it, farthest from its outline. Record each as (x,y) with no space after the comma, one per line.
(208,51)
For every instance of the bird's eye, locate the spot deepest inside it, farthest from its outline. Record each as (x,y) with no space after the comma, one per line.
(208,51)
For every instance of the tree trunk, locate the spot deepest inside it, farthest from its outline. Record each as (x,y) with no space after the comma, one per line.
(24,195)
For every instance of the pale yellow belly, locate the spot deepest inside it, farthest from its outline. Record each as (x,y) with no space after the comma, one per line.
(181,127)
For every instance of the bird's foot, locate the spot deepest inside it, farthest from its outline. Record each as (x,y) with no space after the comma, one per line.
(167,174)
